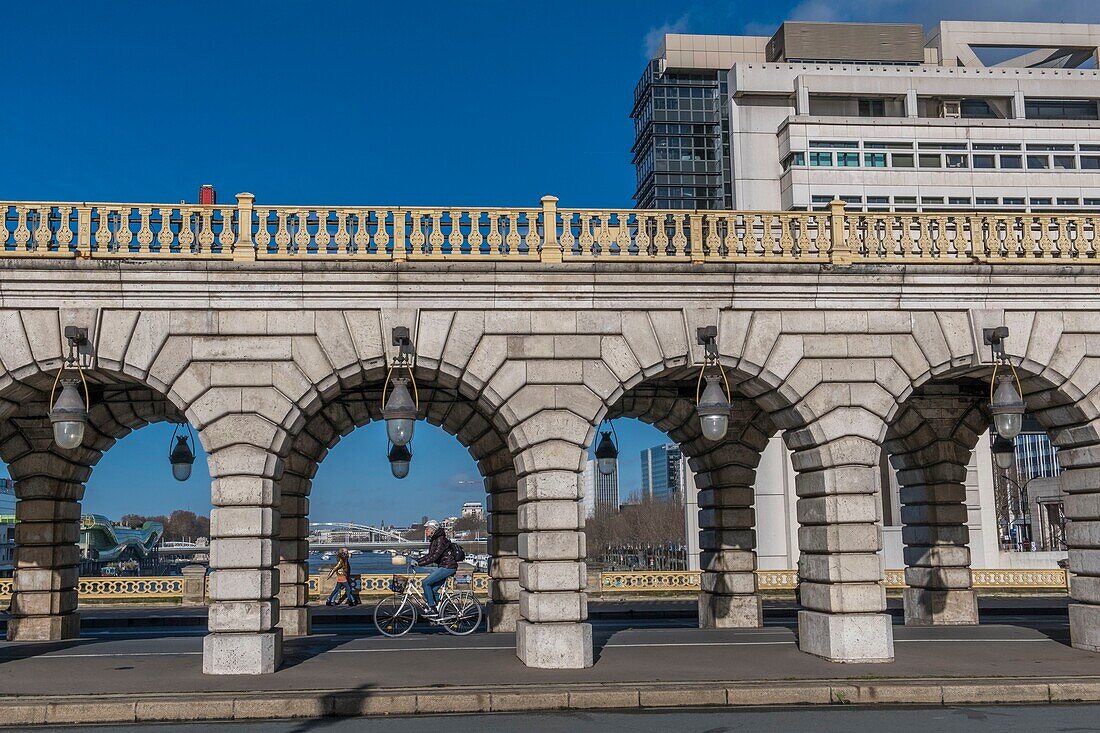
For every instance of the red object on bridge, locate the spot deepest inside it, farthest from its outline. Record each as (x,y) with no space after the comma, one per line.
(207,194)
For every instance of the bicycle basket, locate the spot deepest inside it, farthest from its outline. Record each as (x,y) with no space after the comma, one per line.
(399,583)
(464,579)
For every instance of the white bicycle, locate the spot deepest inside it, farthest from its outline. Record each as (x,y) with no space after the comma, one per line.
(459,612)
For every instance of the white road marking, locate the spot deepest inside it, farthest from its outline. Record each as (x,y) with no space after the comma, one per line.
(649,645)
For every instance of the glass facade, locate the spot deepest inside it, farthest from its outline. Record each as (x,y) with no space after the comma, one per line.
(663,473)
(601,493)
(681,140)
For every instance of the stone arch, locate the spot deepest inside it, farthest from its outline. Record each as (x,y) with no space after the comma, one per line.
(356,401)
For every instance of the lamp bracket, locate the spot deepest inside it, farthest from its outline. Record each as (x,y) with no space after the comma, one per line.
(78,344)
(995,338)
(708,337)
(403,342)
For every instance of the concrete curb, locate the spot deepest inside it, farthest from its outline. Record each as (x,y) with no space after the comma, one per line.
(276,705)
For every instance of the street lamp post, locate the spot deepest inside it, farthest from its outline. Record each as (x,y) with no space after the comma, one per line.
(69,413)
(712,403)
(401,408)
(607,451)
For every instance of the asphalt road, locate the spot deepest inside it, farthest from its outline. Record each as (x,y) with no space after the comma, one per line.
(1046,718)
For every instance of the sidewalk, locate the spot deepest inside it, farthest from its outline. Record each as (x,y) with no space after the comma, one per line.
(144,676)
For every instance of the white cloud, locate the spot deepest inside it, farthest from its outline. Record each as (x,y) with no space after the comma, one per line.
(655,35)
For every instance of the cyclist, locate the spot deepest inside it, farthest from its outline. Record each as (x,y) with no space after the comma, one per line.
(441,554)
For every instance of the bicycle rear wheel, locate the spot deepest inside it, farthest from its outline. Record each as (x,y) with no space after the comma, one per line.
(461,614)
(394,616)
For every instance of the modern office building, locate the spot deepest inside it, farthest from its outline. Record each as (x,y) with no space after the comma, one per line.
(968,116)
(601,493)
(7,527)
(663,473)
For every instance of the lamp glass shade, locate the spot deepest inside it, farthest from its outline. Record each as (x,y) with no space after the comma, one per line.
(400,457)
(1007,408)
(399,412)
(714,426)
(1004,452)
(181,458)
(713,409)
(607,455)
(68,415)
(68,434)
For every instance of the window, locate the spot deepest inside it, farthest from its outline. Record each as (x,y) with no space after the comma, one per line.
(1060,109)
(942,146)
(930,161)
(1012,201)
(847,160)
(905,200)
(932,200)
(879,145)
(794,159)
(874,160)
(1065,162)
(1011,161)
(1038,162)
(996,146)
(901,160)
(878,199)
(1092,202)
(1047,147)
(954,160)
(958,200)
(1090,162)
(833,144)
(985,161)
(986,201)
(818,158)
(976,108)
(1040,202)
(872,108)
(1067,202)
(1091,148)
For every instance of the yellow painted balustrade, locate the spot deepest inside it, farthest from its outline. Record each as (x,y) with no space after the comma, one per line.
(165,588)
(548,234)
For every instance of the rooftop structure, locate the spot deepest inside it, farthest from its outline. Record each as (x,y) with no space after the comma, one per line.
(978,116)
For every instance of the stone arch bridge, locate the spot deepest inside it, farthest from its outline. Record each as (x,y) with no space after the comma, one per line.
(268,328)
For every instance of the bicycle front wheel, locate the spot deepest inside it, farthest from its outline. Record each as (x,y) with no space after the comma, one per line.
(460,614)
(394,616)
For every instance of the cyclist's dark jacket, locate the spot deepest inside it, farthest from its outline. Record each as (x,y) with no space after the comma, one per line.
(439,552)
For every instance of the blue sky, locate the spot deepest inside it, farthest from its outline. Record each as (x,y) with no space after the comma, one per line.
(489,102)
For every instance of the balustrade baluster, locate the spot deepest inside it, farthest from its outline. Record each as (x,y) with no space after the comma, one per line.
(22,231)
(586,239)
(495,240)
(531,241)
(679,238)
(476,239)
(123,236)
(511,240)
(263,232)
(1044,237)
(343,237)
(42,233)
(187,233)
(361,240)
(282,234)
(322,239)
(416,234)
(302,237)
(226,237)
(435,239)
(165,237)
(206,230)
(64,228)
(145,231)
(455,238)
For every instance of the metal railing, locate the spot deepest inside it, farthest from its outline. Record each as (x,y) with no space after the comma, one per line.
(244,231)
(377,584)
(688,580)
